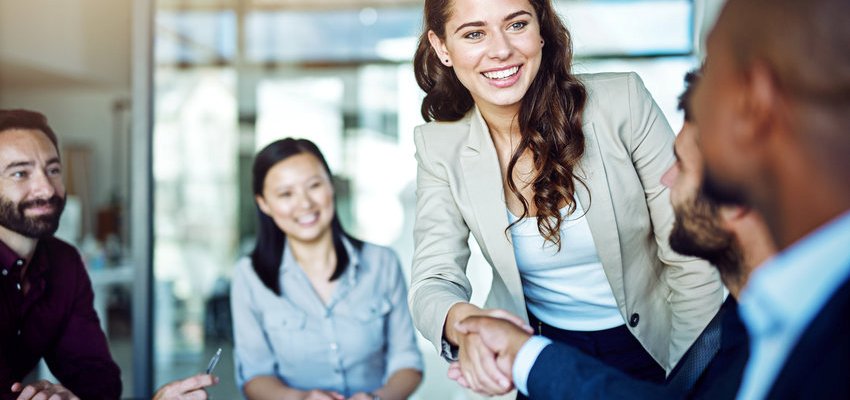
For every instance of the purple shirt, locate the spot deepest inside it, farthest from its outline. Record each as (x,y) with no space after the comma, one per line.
(55,320)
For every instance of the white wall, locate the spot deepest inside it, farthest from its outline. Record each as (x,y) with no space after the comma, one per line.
(80,116)
(84,40)
(70,60)
(706,12)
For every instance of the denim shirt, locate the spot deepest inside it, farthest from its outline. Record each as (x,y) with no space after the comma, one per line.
(351,344)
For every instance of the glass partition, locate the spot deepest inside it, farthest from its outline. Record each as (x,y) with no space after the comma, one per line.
(232,76)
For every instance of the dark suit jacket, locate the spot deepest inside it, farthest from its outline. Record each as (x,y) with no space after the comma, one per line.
(562,372)
(819,365)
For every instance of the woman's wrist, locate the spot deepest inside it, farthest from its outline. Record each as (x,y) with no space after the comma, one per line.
(457,312)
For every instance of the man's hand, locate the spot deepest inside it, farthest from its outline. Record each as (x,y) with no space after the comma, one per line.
(501,337)
(477,361)
(479,369)
(43,390)
(191,388)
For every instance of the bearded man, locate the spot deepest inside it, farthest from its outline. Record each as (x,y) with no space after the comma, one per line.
(46,298)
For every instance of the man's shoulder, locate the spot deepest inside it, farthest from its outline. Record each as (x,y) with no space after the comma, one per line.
(832,319)
(59,249)
(58,244)
(817,366)
(64,261)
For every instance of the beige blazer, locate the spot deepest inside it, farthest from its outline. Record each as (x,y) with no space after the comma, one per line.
(666,299)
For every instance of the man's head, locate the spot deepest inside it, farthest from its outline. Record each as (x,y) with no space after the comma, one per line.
(32,194)
(698,230)
(773,105)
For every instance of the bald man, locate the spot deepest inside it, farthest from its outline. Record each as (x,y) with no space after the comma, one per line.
(773,110)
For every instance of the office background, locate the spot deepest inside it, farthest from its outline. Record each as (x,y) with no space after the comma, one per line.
(160,106)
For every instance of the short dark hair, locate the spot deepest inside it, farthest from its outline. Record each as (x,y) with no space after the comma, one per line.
(691,79)
(27,119)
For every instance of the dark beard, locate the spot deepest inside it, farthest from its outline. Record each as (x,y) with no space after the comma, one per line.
(718,193)
(696,232)
(12,217)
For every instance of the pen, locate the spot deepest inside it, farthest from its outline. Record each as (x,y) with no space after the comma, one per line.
(214,361)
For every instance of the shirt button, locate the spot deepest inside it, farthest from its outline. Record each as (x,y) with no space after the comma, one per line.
(5,272)
(19,286)
(633,321)
(333,346)
(19,262)
(19,332)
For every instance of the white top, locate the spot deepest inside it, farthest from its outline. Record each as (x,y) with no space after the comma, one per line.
(567,289)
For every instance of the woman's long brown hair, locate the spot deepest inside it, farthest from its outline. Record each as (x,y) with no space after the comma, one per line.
(549,116)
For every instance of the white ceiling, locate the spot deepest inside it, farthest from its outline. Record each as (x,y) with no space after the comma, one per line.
(284,4)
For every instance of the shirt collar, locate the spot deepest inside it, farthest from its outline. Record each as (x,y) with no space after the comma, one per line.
(789,289)
(351,271)
(9,260)
(13,263)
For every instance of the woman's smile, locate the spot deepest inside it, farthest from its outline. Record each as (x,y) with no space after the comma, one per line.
(503,77)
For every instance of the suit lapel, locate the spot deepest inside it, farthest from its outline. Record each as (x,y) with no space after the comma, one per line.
(817,365)
(596,199)
(487,198)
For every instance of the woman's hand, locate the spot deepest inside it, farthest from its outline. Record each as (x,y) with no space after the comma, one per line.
(478,365)
(362,396)
(316,394)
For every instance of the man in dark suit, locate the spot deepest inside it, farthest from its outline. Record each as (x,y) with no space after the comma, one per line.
(774,115)
(733,238)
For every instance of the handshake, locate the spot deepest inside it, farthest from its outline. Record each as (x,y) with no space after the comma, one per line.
(488,342)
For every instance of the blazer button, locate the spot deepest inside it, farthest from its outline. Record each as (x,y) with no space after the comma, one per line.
(633,321)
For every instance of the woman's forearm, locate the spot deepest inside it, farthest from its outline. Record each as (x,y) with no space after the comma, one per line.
(400,385)
(270,387)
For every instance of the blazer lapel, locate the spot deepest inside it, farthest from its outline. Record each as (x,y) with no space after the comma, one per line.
(483,181)
(600,211)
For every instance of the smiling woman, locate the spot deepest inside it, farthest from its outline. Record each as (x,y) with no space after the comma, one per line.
(557,176)
(317,312)
(495,61)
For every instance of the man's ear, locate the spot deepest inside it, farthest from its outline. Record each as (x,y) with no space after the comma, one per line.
(762,99)
(439,48)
